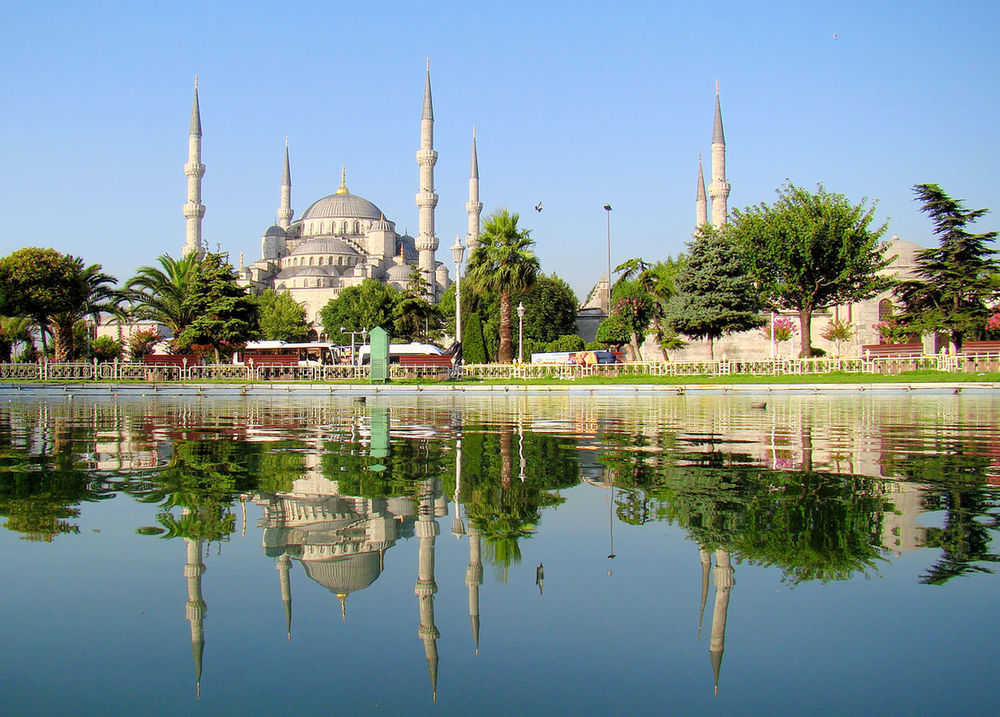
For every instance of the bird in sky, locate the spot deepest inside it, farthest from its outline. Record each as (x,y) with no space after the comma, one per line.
(538,207)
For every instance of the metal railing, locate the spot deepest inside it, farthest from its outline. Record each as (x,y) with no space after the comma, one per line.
(876,365)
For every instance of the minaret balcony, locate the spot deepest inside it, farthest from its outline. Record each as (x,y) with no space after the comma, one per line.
(427,156)
(427,199)
(193,169)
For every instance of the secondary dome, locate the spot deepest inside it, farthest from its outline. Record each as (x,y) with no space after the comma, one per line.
(342,206)
(324,246)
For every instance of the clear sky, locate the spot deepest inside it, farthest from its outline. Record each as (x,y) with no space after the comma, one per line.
(576,103)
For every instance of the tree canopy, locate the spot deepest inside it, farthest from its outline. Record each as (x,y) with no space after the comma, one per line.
(715,295)
(281,317)
(158,294)
(810,251)
(358,308)
(955,287)
(225,316)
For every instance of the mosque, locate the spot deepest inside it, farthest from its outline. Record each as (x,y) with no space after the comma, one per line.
(341,239)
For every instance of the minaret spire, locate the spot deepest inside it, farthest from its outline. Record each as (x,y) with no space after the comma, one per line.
(701,201)
(194,210)
(473,207)
(285,210)
(719,189)
(427,530)
(194,610)
(723,574)
(426,242)
(284,563)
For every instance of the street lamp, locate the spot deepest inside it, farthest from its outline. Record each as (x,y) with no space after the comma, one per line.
(520,332)
(343,330)
(457,254)
(607,209)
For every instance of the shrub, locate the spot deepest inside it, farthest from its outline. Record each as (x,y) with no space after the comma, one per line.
(105,348)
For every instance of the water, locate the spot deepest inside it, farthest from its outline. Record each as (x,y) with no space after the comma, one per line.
(241,556)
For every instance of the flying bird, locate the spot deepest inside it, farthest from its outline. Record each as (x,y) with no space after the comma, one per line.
(538,207)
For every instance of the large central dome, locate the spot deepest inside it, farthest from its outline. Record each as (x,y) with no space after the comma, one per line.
(342,206)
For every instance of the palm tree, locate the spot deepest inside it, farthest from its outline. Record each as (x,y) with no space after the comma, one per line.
(157,294)
(504,264)
(13,330)
(96,295)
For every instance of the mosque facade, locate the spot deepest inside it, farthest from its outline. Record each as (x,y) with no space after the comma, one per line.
(341,239)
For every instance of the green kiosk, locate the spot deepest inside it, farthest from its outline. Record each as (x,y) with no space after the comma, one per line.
(379,341)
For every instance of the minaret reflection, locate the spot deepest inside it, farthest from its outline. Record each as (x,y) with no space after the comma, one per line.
(427,530)
(474,578)
(706,568)
(283,566)
(194,568)
(723,575)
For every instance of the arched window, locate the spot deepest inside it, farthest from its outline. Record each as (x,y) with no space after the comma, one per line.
(885,309)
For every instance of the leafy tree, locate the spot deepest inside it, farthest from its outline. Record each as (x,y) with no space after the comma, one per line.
(158,294)
(225,317)
(504,264)
(416,319)
(142,342)
(633,307)
(105,348)
(955,289)
(54,290)
(281,317)
(549,309)
(658,282)
(837,331)
(473,345)
(715,295)
(365,306)
(613,331)
(810,251)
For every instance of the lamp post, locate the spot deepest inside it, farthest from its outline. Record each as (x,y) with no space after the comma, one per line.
(457,253)
(343,330)
(520,332)
(607,209)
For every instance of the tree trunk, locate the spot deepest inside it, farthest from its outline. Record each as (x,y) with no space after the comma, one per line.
(505,354)
(711,348)
(62,345)
(42,328)
(636,351)
(658,330)
(805,332)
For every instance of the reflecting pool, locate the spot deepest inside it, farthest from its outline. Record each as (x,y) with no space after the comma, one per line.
(614,554)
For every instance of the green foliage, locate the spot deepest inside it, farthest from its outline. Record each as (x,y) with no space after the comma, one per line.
(715,295)
(105,348)
(225,317)
(282,318)
(415,318)
(837,332)
(14,330)
(549,309)
(503,264)
(365,306)
(613,331)
(159,294)
(473,344)
(955,289)
(142,342)
(810,251)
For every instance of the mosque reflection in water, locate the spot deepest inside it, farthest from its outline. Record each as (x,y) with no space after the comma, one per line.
(818,489)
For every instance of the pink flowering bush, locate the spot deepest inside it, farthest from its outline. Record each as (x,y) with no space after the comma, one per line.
(784,329)
(993,323)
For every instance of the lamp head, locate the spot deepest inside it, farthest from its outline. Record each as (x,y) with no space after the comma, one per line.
(607,207)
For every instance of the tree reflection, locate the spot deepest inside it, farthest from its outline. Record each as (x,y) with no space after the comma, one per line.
(43,481)
(812,526)
(954,481)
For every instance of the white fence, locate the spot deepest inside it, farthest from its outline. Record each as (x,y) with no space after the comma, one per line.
(883,365)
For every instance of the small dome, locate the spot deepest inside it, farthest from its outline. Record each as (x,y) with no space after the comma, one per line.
(344,575)
(382,225)
(399,272)
(292,272)
(324,246)
(275,231)
(342,206)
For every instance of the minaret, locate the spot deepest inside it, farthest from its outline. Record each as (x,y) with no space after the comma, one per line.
(700,202)
(474,207)
(283,566)
(426,241)
(723,574)
(285,210)
(427,530)
(194,210)
(194,568)
(474,578)
(718,190)
(706,568)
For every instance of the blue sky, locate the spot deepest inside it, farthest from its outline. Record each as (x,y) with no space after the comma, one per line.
(577,104)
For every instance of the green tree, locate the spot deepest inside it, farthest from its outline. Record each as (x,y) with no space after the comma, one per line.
(549,309)
(13,330)
(415,318)
(810,251)
(365,306)
(955,285)
(105,348)
(281,317)
(98,296)
(658,281)
(158,294)
(504,264)
(225,317)
(54,290)
(715,295)
(473,344)
(632,306)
